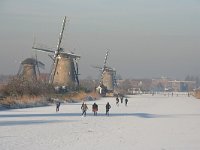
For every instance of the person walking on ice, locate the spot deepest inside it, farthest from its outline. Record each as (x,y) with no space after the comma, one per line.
(57,106)
(126,101)
(117,101)
(107,108)
(95,109)
(84,109)
(121,99)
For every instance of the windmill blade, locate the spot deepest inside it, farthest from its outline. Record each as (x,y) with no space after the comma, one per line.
(43,50)
(77,80)
(60,38)
(38,71)
(51,56)
(76,67)
(105,60)
(115,80)
(40,64)
(20,70)
(37,65)
(104,66)
(76,71)
(53,72)
(98,67)
(33,41)
(50,75)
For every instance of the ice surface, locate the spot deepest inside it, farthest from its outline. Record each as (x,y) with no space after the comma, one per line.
(148,123)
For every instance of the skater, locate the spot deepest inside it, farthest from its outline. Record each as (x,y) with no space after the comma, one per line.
(126,101)
(57,106)
(107,108)
(121,99)
(84,109)
(117,101)
(95,109)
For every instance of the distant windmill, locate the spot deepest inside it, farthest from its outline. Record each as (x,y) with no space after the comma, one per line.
(29,69)
(64,70)
(108,76)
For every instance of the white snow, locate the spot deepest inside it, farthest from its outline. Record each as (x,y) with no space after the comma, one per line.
(148,123)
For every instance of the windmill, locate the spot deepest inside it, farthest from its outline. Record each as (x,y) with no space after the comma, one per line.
(29,69)
(107,79)
(64,70)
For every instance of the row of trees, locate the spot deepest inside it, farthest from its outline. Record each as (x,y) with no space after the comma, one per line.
(20,87)
(17,87)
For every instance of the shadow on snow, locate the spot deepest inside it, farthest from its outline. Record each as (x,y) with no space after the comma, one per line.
(141,115)
(30,122)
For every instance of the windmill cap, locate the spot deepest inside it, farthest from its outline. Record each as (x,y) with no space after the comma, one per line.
(32,61)
(29,61)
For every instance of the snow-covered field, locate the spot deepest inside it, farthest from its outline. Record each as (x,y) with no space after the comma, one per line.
(148,123)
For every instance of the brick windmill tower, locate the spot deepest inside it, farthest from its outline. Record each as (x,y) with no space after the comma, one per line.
(29,69)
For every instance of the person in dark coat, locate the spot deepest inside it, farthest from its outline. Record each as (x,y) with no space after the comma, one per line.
(121,99)
(57,106)
(107,108)
(117,101)
(126,101)
(95,109)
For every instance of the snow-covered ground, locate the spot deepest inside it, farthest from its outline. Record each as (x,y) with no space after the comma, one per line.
(148,123)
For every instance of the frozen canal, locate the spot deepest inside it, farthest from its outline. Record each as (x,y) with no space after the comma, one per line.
(148,123)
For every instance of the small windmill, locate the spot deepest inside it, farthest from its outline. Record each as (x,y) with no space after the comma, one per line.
(29,69)
(107,79)
(64,70)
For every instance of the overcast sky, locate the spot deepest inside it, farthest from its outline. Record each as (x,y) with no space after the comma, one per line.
(146,38)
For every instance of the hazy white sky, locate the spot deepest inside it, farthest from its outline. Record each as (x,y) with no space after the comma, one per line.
(146,38)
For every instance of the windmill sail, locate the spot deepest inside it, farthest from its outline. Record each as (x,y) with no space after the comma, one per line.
(61,36)
(104,67)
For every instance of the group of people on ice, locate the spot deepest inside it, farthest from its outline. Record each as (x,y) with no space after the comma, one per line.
(84,108)
(121,98)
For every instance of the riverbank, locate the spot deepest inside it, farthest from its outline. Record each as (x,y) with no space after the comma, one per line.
(39,101)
